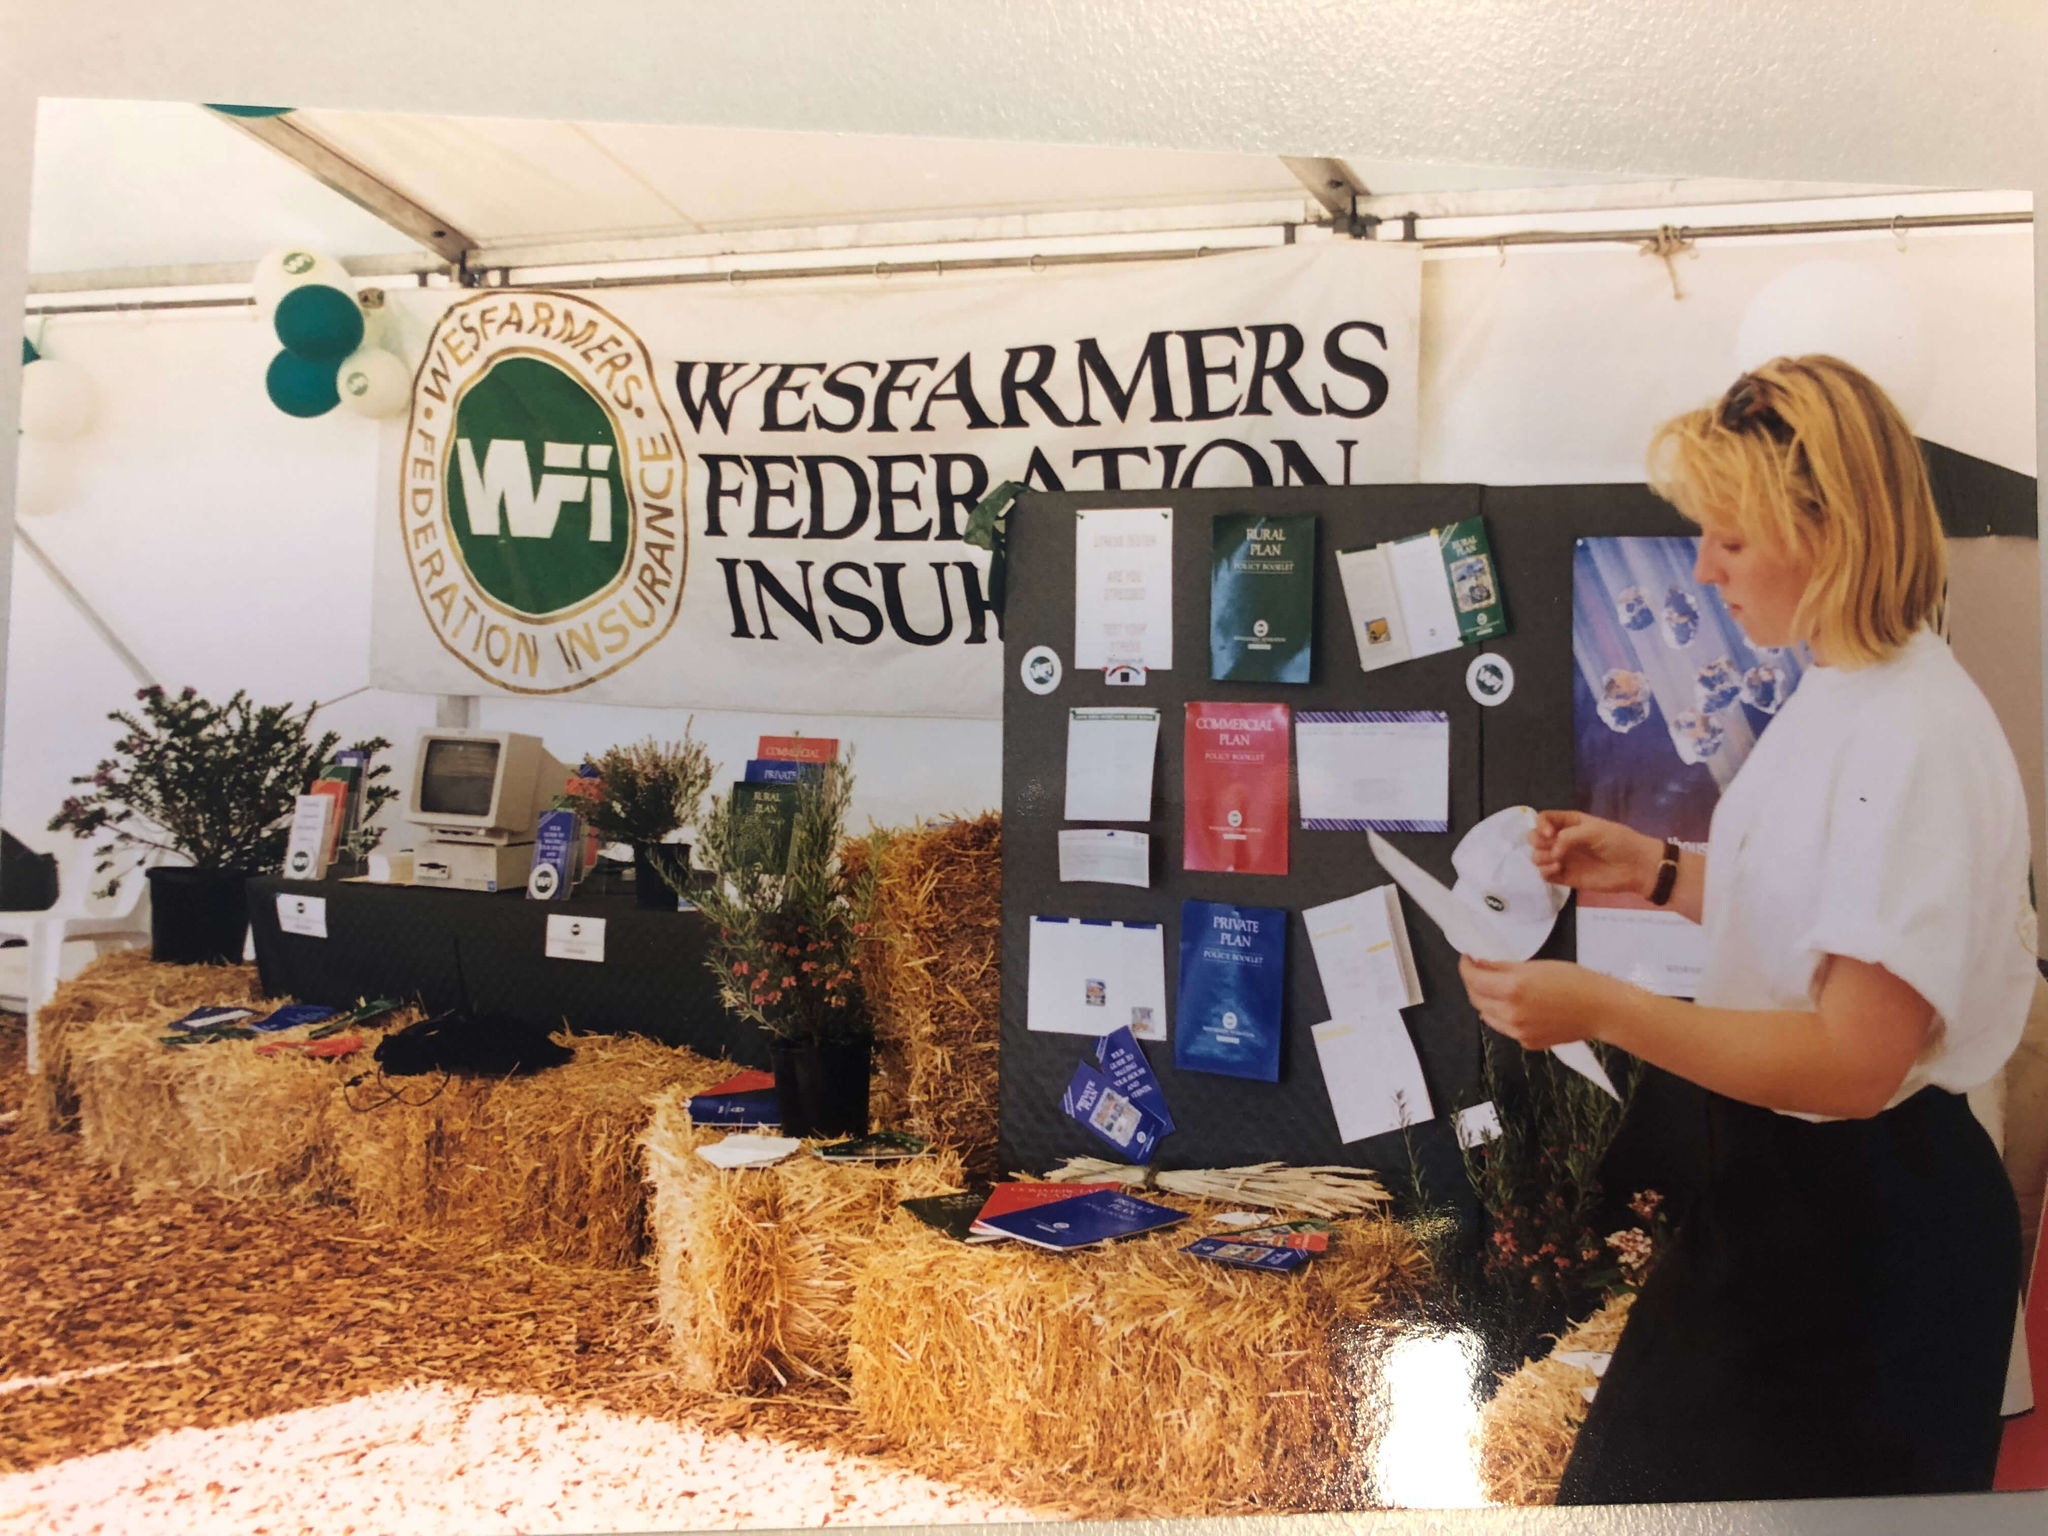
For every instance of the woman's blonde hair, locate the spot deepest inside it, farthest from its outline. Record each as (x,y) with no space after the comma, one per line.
(1809,458)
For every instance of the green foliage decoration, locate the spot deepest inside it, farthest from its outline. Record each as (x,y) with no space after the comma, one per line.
(788,938)
(210,785)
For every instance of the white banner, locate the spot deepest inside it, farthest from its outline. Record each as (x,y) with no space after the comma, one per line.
(734,498)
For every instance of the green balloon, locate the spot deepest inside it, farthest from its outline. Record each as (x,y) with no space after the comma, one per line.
(319,323)
(299,386)
(235,111)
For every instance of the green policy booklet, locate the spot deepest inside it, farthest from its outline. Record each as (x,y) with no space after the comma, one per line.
(766,817)
(1261,597)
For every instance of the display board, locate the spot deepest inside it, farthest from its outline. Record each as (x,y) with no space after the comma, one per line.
(1518,751)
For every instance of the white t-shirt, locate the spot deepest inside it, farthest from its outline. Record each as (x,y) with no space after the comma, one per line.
(1880,817)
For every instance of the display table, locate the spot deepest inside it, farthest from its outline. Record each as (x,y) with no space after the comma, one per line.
(401,941)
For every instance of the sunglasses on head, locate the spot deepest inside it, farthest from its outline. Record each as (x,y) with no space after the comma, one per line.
(1744,406)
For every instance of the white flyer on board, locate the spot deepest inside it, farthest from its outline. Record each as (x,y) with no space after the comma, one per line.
(1107,855)
(1123,588)
(1374,770)
(1372,1074)
(1362,954)
(1110,754)
(1091,977)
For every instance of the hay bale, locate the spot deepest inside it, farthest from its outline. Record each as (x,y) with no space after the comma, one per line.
(544,1163)
(1527,1431)
(1134,1379)
(125,985)
(756,1268)
(933,977)
(217,1117)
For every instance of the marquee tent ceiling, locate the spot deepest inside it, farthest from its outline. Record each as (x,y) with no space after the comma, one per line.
(167,185)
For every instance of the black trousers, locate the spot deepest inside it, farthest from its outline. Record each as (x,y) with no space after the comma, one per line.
(1834,1318)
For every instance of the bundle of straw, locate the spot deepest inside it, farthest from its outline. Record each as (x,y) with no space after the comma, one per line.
(543,1163)
(1527,1431)
(755,1267)
(125,985)
(215,1116)
(1130,1380)
(933,978)
(1320,1191)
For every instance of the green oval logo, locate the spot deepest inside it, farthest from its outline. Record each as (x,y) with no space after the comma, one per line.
(534,488)
(542,492)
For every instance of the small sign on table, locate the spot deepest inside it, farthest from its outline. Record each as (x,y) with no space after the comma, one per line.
(575,938)
(304,915)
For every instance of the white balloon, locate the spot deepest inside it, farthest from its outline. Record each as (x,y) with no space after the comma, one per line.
(293,266)
(1853,310)
(374,383)
(46,479)
(57,399)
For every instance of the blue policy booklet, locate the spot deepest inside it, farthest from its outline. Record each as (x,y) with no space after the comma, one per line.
(1092,1101)
(1083,1220)
(1123,1062)
(1233,963)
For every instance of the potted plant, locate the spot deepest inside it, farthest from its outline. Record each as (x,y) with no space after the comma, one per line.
(787,941)
(209,785)
(651,790)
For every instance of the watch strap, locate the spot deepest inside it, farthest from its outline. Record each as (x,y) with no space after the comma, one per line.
(1667,875)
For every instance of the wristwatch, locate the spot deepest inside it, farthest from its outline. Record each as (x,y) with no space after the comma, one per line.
(1667,875)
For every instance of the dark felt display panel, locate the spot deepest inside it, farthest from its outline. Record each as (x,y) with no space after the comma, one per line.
(1517,752)
(400,941)
(1977,498)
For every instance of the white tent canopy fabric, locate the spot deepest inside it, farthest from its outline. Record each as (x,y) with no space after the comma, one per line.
(159,186)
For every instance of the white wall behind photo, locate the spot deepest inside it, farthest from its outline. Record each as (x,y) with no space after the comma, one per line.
(229,546)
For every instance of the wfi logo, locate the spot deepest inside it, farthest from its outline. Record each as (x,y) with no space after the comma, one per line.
(543,492)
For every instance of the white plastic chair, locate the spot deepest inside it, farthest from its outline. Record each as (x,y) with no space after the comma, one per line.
(119,925)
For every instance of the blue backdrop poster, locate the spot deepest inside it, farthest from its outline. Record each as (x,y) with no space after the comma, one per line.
(1668,699)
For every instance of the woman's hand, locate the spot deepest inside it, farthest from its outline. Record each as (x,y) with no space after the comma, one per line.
(1541,1003)
(1588,854)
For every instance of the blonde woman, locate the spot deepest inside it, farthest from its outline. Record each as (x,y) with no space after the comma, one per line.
(1836,1311)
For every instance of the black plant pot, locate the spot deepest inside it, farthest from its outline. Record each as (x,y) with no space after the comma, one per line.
(198,916)
(822,1090)
(649,860)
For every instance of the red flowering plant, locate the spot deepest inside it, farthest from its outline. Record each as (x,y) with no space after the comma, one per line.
(789,929)
(210,785)
(1539,1183)
(1637,1248)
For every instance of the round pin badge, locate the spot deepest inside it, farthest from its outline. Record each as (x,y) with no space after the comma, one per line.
(1490,679)
(1041,669)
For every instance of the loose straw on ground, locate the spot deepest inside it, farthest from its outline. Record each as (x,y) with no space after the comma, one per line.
(755,1267)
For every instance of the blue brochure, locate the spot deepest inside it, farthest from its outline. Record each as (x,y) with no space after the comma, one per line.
(1233,962)
(1123,1062)
(212,1018)
(1222,1250)
(1114,1117)
(291,1016)
(764,770)
(1083,1220)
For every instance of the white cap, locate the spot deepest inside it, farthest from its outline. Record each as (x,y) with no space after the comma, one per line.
(1497,875)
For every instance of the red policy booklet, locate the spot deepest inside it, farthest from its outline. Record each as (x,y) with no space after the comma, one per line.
(1235,775)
